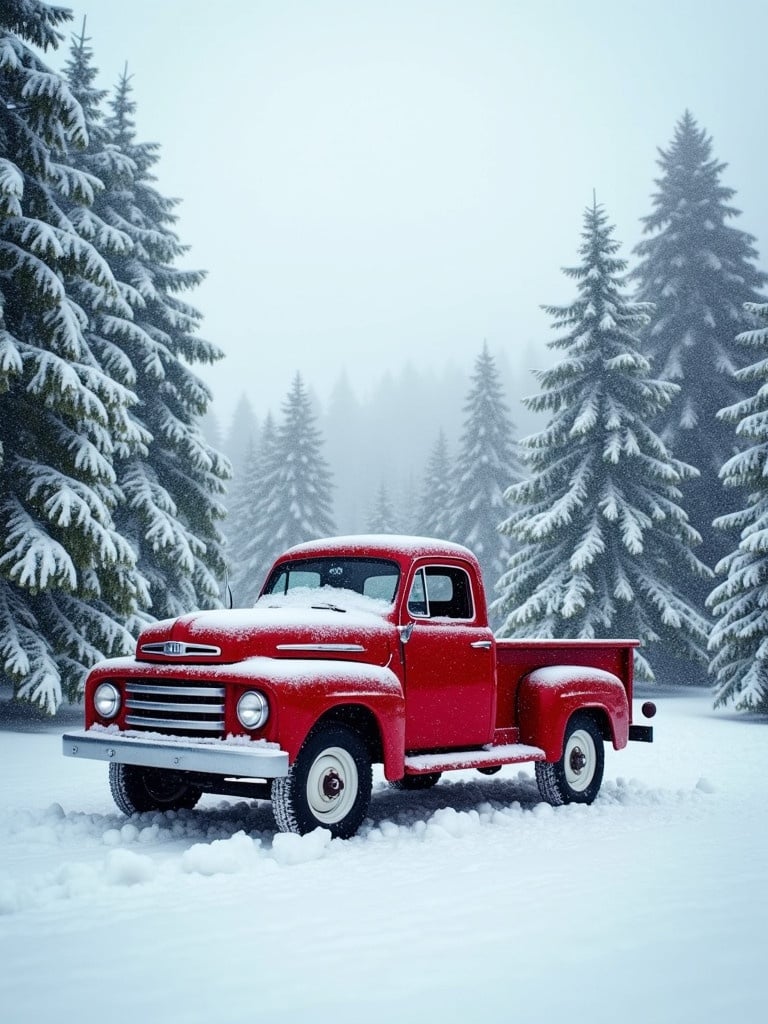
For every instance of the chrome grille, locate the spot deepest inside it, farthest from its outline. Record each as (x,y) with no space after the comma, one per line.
(182,709)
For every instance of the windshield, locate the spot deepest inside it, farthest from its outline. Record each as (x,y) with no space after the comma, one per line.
(375,578)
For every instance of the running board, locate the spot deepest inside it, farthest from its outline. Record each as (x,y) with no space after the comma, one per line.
(488,757)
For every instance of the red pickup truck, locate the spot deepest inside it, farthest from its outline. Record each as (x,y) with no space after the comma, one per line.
(360,650)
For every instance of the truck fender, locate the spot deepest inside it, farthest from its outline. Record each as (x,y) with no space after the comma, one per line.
(366,698)
(547,697)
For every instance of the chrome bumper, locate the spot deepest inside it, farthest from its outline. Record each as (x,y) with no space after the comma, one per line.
(251,761)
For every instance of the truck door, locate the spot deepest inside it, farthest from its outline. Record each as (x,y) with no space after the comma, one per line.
(450,663)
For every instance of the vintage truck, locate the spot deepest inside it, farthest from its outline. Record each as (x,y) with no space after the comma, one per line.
(360,650)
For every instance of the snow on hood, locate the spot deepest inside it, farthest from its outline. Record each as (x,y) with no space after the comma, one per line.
(301,624)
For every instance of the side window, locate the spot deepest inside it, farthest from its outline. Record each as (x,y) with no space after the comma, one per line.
(441,592)
(449,593)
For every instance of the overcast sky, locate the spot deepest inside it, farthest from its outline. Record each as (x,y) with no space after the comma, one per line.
(375,181)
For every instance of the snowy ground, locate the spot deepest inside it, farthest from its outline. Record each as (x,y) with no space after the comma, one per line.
(473,902)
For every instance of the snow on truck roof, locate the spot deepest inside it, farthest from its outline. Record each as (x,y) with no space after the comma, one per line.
(382,545)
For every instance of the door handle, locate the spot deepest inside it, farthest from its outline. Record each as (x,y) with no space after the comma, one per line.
(485,645)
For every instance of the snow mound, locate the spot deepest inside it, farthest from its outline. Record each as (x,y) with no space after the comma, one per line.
(222,856)
(289,849)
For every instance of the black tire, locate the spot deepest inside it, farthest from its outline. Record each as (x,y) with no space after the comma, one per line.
(327,786)
(136,789)
(416,782)
(576,778)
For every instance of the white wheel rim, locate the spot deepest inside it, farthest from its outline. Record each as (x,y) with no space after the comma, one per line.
(580,760)
(332,785)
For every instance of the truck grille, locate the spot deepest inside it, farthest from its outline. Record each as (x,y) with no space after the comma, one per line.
(182,709)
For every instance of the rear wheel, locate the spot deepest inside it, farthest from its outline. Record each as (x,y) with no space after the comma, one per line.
(136,789)
(576,778)
(327,786)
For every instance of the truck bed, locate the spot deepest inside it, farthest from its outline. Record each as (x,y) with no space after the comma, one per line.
(516,658)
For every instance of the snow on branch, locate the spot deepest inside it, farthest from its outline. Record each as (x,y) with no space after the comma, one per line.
(11,189)
(31,557)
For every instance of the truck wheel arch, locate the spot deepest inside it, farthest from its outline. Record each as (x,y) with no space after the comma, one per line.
(384,735)
(359,718)
(547,698)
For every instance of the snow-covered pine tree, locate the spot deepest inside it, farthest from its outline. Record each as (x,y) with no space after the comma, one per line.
(67,576)
(242,435)
(698,271)
(605,547)
(348,450)
(382,515)
(173,490)
(297,487)
(739,639)
(486,466)
(434,499)
(250,547)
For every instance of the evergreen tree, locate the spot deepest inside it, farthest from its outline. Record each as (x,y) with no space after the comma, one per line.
(698,270)
(436,492)
(242,435)
(173,488)
(605,547)
(297,485)
(251,549)
(348,448)
(486,466)
(67,576)
(382,517)
(740,637)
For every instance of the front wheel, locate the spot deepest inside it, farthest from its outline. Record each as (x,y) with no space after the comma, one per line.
(327,786)
(136,789)
(577,776)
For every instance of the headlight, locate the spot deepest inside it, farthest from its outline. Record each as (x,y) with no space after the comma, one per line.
(252,710)
(106,700)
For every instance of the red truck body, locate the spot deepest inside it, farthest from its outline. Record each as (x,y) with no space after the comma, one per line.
(360,650)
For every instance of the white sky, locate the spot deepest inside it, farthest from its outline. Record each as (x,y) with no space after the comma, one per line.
(369,183)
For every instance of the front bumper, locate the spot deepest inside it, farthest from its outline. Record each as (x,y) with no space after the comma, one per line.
(251,760)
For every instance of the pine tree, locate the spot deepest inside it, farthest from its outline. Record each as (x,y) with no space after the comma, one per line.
(250,546)
(382,516)
(486,466)
(740,637)
(173,489)
(605,546)
(67,576)
(297,484)
(348,448)
(699,271)
(242,435)
(435,495)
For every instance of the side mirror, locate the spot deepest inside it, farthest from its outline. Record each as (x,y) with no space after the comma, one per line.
(405,632)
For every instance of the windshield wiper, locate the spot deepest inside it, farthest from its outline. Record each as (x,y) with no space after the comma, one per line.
(329,607)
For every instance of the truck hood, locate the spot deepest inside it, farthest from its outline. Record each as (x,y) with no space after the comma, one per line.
(224,637)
